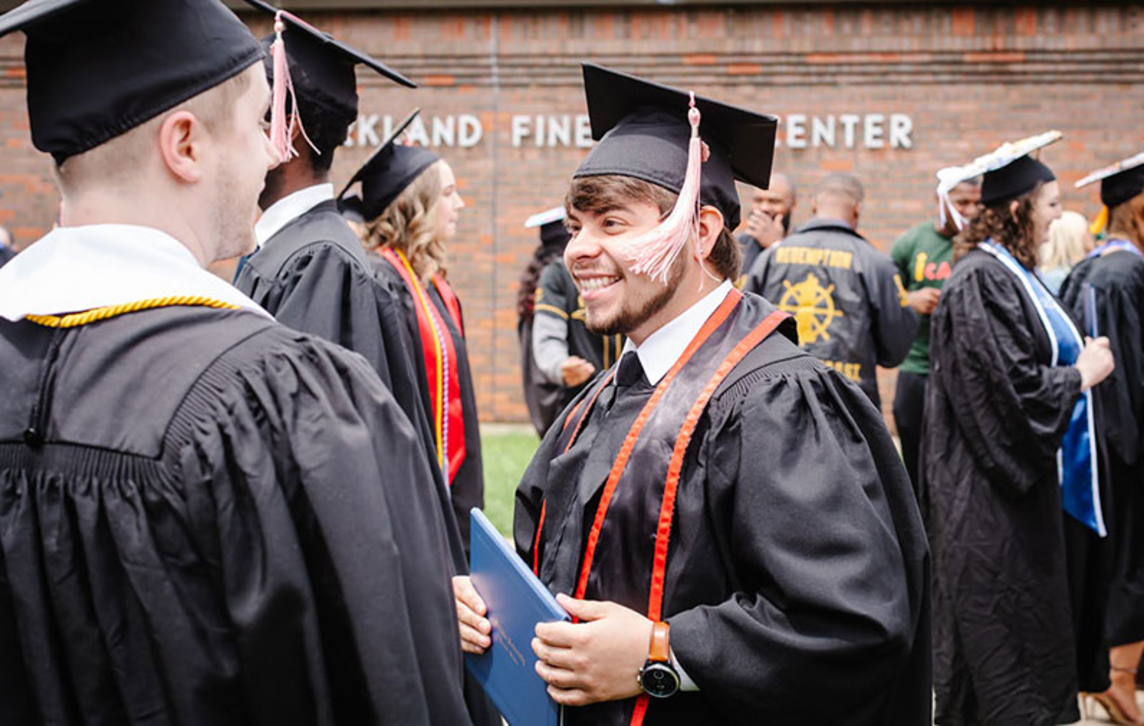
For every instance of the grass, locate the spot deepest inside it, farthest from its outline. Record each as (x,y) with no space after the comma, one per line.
(505,451)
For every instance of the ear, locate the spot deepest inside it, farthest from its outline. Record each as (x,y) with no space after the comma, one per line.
(710,225)
(1013,205)
(181,146)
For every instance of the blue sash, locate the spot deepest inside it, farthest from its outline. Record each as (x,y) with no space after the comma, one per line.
(1115,244)
(1076,459)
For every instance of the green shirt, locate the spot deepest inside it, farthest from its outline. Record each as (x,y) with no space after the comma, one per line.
(925,259)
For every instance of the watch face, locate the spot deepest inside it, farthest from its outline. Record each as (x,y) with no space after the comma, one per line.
(659,680)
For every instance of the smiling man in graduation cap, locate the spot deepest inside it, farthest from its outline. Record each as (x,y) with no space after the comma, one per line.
(726,518)
(200,523)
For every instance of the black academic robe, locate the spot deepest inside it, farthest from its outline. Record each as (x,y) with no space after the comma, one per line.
(468,487)
(847,296)
(797,574)
(201,528)
(312,276)
(1016,581)
(1119,281)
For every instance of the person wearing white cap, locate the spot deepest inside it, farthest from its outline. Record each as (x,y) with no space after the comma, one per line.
(1011,486)
(1106,291)
(924,258)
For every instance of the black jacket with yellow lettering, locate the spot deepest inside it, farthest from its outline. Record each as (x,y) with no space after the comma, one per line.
(846,295)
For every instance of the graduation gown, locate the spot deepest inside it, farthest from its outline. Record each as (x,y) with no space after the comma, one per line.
(797,572)
(1119,281)
(312,276)
(202,529)
(468,486)
(1016,581)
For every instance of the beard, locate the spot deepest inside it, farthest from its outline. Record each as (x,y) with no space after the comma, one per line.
(629,319)
(786,223)
(233,219)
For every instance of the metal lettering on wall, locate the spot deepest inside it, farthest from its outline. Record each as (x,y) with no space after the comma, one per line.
(551,131)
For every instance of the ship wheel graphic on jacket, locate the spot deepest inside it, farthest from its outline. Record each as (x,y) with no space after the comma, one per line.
(812,306)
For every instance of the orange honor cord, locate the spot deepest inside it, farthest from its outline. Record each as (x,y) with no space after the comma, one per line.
(571,440)
(709,327)
(675,469)
(440,370)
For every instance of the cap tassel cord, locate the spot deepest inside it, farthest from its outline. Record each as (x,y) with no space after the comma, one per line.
(654,252)
(1099,222)
(282,125)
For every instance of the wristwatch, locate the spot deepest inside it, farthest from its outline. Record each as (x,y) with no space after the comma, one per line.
(658,677)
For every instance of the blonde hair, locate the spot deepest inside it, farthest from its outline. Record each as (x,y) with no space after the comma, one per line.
(1066,245)
(409,225)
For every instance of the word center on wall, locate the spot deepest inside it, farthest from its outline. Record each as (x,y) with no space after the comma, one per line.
(796,131)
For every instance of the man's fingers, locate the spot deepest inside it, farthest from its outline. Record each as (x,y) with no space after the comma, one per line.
(569,697)
(561,678)
(559,635)
(559,657)
(464,591)
(473,641)
(586,610)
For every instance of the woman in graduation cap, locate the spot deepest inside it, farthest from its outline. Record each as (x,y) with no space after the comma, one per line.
(1106,291)
(410,202)
(1008,443)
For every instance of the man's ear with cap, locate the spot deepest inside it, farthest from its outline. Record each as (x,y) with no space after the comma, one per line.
(182,142)
(711,223)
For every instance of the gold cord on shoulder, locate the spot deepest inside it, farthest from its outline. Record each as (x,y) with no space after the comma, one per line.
(75,320)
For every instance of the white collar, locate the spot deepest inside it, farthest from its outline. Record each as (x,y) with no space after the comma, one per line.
(289,208)
(660,350)
(75,269)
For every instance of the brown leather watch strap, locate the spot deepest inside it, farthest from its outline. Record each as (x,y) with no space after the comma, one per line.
(659,651)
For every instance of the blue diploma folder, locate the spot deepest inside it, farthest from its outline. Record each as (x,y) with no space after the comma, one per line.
(516,601)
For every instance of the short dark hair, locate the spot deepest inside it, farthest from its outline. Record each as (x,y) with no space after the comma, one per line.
(326,130)
(596,193)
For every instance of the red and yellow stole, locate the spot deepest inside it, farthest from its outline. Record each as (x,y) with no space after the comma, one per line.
(440,361)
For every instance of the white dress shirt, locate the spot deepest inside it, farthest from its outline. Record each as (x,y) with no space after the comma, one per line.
(75,269)
(659,352)
(289,208)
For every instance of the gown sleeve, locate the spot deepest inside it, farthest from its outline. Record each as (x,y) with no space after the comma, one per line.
(1011,410)
(1120,306)
(323,293)
(828,552)
(329,546)
(894,321)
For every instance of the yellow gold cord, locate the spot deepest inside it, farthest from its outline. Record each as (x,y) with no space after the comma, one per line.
(95,315)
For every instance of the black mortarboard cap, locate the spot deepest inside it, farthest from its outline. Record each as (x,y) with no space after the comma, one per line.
(352,208)
(390,170)
(99,68)
(643,132)
(321,67)
(1119,182)
(1018,177)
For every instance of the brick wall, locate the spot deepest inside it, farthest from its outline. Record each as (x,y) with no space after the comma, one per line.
(967,77)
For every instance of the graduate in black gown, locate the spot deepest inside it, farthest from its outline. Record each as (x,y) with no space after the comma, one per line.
(544,398)
(310,271)
(1011,485)
(411,204)
(1106,291)
(206,518)
(759,560)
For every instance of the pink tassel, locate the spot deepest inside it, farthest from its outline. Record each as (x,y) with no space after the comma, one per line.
(282,124)
(654,252)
